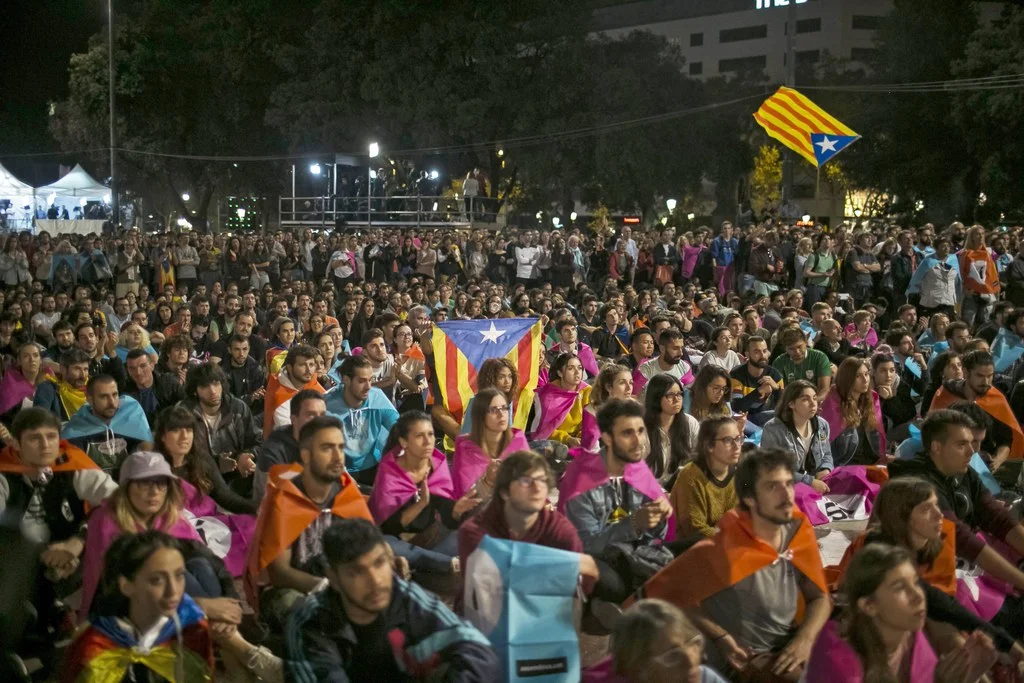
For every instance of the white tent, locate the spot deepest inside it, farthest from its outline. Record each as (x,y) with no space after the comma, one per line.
(11,187)
(76,183)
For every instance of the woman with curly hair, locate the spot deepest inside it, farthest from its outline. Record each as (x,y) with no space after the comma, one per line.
(174,356)
(499,373)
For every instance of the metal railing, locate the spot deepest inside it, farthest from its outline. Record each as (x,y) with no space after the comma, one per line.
(394,211)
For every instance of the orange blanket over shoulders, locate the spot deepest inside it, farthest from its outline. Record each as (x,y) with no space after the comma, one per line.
(277,394)
(71,459)
(285,513)
(993,403)
(730,556)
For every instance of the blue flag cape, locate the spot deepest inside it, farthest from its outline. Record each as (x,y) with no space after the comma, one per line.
(129,421)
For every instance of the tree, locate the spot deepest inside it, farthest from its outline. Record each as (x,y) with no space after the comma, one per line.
(766,183)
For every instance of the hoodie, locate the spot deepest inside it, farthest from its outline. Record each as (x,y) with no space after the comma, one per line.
(280,448)
(366,427)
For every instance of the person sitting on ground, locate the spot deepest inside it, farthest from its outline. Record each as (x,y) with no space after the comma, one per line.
(109,426)
(721,354)
(286,556)
(143,625)
(413,498)
(669,362)
(371,625)
(756,385)
(799,430)
(854,415)
(613,499)
(949,441)
(479,453)
(653,642)
(641,349)
(494,372)
(742,586)
(613,382)
(21,380)
(282,446)
(671,431)
(246,380)
(557,413)
(366,415)
(297,373)
(64,394)
(154,391)
(799,362)
(898,406)
(881,635)
(704,491)
(568,342)
(45,486)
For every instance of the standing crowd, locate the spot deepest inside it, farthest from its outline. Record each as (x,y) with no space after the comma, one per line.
(229,455)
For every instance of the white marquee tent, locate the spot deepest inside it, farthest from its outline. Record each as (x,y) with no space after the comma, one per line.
(76,183)
(12,188)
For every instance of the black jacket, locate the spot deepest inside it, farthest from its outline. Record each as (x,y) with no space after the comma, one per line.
(237,433)
(243,381)
(280,448)
(166,390)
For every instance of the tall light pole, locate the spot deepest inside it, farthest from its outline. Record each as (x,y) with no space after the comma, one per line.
(787,158)
(373,150)
(114,199)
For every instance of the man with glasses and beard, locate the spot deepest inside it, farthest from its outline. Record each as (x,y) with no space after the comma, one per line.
(301,503)
(617,506)
(742,587)
(670,361)
(370,625)
(756,385)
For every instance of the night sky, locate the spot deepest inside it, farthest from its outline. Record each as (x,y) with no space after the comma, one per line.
(37,38)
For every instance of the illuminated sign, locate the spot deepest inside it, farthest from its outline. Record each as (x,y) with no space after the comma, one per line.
(631,220)
(766,4)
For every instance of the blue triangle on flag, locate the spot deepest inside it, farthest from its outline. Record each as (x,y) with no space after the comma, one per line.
(827,146)
(480,340)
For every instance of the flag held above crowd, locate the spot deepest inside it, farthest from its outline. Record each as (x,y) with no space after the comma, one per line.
(804,127)
(462,346)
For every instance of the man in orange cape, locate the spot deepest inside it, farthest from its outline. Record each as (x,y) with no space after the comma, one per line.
(298,373)
(747,587)
(976,387)
(300,504)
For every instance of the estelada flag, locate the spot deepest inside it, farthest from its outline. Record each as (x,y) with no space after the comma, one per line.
(804,127)
(461,347)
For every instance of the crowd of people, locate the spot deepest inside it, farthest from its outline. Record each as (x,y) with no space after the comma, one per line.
(200,428)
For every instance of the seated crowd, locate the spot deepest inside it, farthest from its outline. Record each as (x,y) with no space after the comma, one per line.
(254,475)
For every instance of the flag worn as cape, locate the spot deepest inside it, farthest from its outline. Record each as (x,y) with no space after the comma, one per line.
(14,389)
(831,411)
(553,404)
(833,654)
(71,459)
(586,471)
(71,399)
(129,421)
(277,394)
(978,271)
(393,487)
(993,403)
(470,462)
(284,515)
(1007,348)
(227,535)
(105,650)
(730,556)
(941,573)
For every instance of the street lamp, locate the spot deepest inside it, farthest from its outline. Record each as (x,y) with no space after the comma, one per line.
(185,196)
(556,221)
(857,213)
(314,169)
(573,216)
(690,216)
(434,174)
(671,204)
(374,151)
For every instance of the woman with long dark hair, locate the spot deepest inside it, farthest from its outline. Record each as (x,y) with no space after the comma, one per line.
(672,433)
(897,402)
(711,393)
(798,429)
(557,413)
(854,414)
(363,322)
(944,367)
(491,439)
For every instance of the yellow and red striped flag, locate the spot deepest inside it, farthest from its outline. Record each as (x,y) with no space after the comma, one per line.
(804,127)
(461,347)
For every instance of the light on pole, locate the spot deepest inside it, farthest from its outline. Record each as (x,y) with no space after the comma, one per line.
(314,169)
(573,216)
(671,204)
(185,196)
(115,214)
(374,151)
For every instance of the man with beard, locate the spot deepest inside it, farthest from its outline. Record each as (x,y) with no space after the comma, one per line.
(902,265)
(301,503)
(64,340)
(925,236)
(64,394)
(246,380)
(742,587)
(109,426)
(375,349)
(201,343)
(976,387)
(568,342)
(615,502)
(370,625)
(800,362)
(225,437)
(153,391)
(46,319)
(103,359)
(669,362)
(226,322)
(366,415)
(297,373)
(756,385)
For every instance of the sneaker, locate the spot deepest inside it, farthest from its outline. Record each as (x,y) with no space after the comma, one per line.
(606,613)
(264,664)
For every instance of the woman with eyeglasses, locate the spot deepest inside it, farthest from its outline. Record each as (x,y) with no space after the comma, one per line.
(704,490)
(653,642)
(492,438)
(671,432)
(711,393)
(798,429)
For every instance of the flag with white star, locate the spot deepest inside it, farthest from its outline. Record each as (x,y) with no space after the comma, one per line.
(461,347)
(804,127)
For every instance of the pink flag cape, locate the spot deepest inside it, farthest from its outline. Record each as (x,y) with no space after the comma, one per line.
(552,404)
(590,435)
(227,535)
(832,412)
(103,530)
(586,471)
(14,389)
(980,593)
(470,462)
(843,481)
(832,659)
(393,488)
(589,361)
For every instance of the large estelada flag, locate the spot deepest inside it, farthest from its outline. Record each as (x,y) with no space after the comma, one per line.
(804,127)
(461,347)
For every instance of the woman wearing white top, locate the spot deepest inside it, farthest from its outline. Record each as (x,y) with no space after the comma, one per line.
(721,354)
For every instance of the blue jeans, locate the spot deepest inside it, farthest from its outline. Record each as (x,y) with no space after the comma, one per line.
(436,560)
(200,579)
